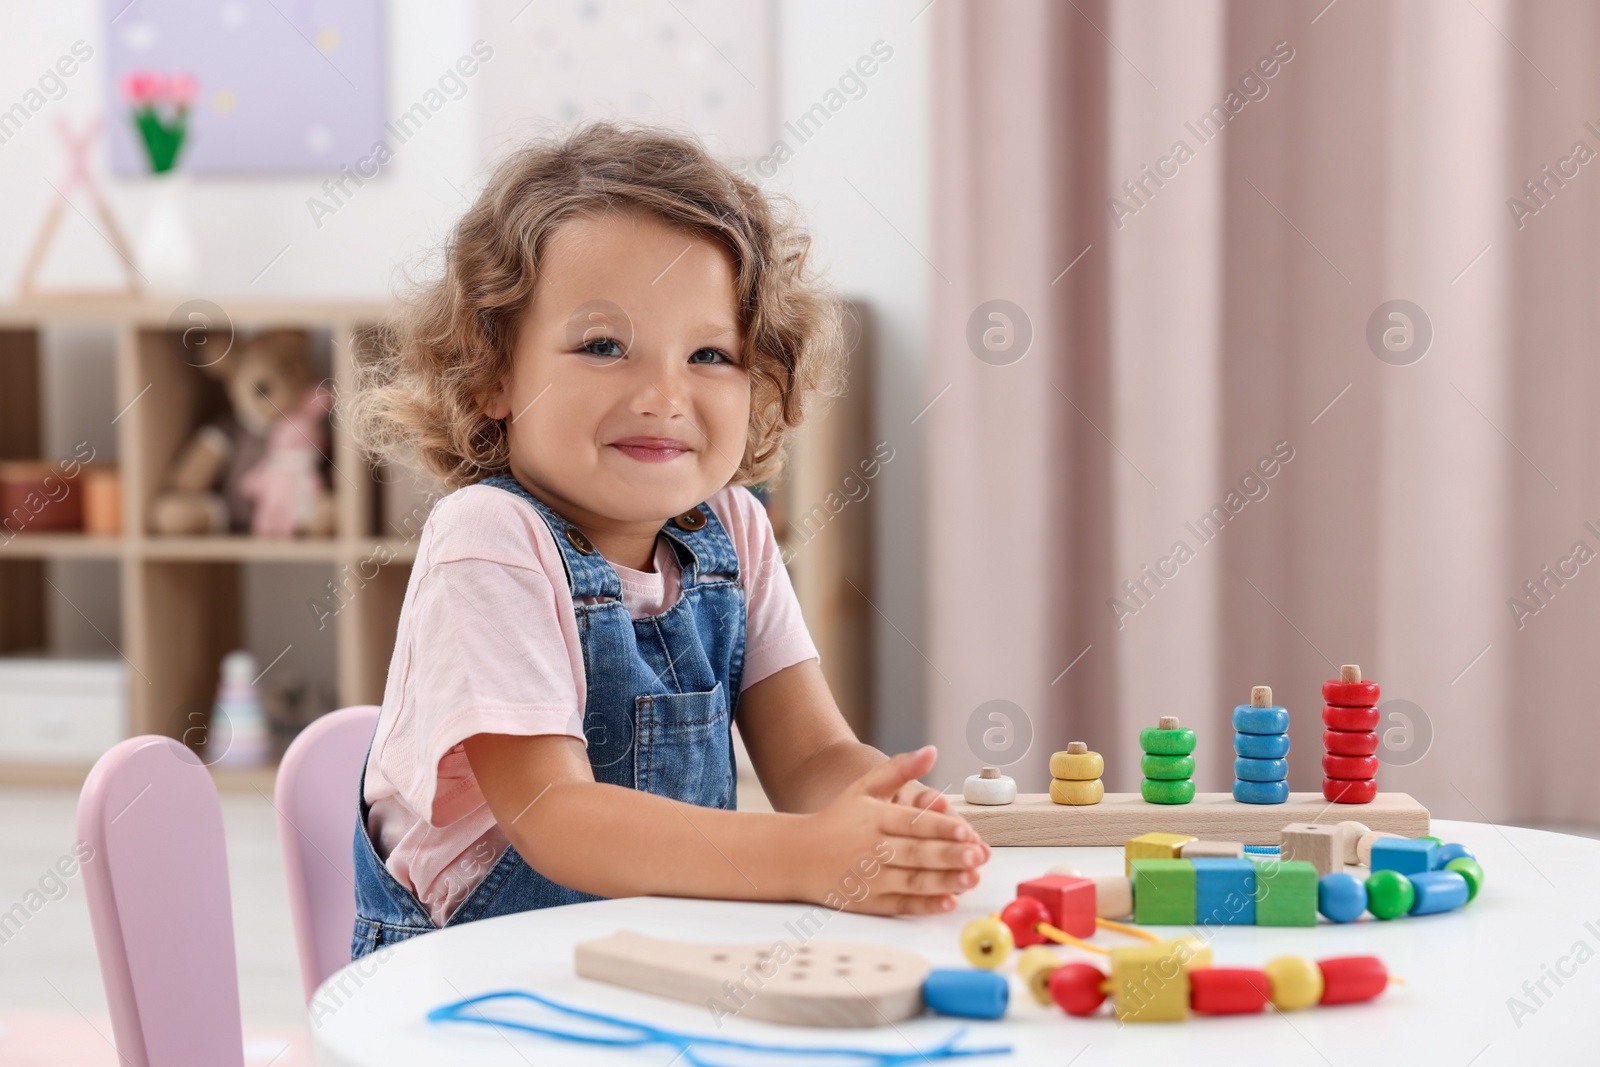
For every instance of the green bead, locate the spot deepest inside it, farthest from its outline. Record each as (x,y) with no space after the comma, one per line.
(1159,742)
(1429,837)
(1468,868)
(1167,768)
(1159,792)
(1390,894)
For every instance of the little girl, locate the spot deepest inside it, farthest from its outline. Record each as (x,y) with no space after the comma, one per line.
(623,336)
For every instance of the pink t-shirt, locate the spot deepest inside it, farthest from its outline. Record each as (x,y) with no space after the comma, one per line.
(488,643)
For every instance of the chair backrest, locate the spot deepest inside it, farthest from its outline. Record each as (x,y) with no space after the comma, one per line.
(155,872)
(316,802)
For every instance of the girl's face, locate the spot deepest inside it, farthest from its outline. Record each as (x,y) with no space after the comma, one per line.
(628,399)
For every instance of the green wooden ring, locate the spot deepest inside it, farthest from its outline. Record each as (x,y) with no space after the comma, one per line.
(1159,742)
(1167,768)
(1175,792)
(1467,868)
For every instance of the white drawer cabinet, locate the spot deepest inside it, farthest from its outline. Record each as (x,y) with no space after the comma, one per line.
(61,710)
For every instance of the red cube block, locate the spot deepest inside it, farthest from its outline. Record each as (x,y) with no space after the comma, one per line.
(1069,899)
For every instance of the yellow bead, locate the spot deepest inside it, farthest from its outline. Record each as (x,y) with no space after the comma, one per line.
(1150,983)
(1077,766)
(1065,792)
(1034,967)
(986,942)
(1296,982)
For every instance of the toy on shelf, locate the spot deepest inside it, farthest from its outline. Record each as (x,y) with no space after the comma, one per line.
(1075,775)
(1168,762)
(1261,750)
(1350,767)
(990,787)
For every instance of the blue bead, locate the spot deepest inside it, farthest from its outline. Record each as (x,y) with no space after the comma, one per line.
(969,992)
(1341,897)
(1406,855)
(1449,852)
(1261,792)
(1260,770)
(1224,891)
(1438,891)
(1261,746)
(1248,720)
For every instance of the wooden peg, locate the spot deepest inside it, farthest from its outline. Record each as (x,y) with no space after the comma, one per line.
(1261,696)
(1167,722)
(989,772)
(1350,672)
(1077,747)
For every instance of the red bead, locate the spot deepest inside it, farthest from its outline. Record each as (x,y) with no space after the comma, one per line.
(1350,767)
(1076,988)
(1338,718)
(1350,694)
(1346,791)
(1347,979)
(1069,900)
(1350,742)
(1228,990)
(1024,915)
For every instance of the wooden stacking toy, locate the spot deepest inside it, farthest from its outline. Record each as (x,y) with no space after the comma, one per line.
(1168,762)
(990,787)
(1075,775)
(1261,750)
(1350,767)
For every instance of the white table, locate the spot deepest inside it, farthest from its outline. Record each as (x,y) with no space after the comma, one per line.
(1539,903)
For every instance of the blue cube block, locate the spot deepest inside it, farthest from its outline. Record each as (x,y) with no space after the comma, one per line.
(1224,891)
(1404,855)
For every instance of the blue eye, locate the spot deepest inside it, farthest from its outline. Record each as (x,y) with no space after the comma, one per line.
(599,347)
(717,353)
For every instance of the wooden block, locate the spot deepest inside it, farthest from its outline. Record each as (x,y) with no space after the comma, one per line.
(1033,820)
(1286,893)
(1113,897)
(1363,845)
(1163,892)
(1153,846)
(1070,900)
(1318,844)
(1350,833)
(1224,891)
(818,983)
(1150,983)
(1063,791)
(1224,850)
(1403,855)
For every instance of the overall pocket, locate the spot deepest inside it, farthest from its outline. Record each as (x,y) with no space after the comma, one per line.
(685,750)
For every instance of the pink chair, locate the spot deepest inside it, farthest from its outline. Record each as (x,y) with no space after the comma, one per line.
(157,886)
(316,802)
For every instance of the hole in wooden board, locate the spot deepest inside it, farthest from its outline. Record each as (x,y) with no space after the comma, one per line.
(720,956)
(885,967)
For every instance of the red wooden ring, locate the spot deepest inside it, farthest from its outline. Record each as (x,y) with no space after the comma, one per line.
(1350,694)
(1350,742)
(1335,717)
(1350,767)
(1345,791)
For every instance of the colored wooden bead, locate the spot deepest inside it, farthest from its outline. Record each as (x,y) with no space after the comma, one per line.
(1296,982)
(1389,894)
(1228,990)
(1069,900)
(1402,854)
(1113,897)
(1318,843)
(1438,891)
(1078,988)
(986,942)
(1468,869)
(1261,792)
(1022,917)
(1361,720)
(1163,892)
(989,786)
(1152,846)
(1159,792)
(1034,967)
(1150,983)
(1350,767)
(1350,694)
(1167,768)
(1077,766)
(1078,794)
(1260,770)
(1350,742)
(1350,833)
(1352,979)
(1429,837)
(966,993)
(1064,868)
(1222,850)
(1364,845)
(1159,742)
(1249,720)
(1452,851)
(1286,893)
(1341,897)
(1225,891)
(1261,746)
(1347,791)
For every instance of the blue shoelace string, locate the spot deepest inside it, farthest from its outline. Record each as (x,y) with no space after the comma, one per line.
(1262,850)
(464,1011)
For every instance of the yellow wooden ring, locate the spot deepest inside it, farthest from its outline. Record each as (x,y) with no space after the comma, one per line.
(1034,967)
(1077,766)
(1063,791)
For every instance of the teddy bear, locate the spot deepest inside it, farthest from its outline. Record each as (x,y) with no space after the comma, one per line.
(259,469)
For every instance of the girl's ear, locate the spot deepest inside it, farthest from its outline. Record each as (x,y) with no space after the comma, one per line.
(496,402)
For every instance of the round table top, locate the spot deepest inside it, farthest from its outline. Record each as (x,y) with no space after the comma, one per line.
(1507,980)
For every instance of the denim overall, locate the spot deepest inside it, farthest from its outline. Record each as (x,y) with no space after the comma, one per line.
(660,695)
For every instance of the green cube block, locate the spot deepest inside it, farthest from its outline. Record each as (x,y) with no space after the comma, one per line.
(1164,892)
(1286,893)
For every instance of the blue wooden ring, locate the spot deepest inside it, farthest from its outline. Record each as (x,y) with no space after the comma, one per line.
(1249,720)
(1261,746)
(1260,770)
(1261,792)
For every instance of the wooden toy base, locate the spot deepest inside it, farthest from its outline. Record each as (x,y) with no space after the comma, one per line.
(1034,819)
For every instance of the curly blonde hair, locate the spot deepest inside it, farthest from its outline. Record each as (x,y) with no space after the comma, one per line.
(420,388)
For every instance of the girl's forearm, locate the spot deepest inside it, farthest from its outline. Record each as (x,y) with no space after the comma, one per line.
(813,784)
